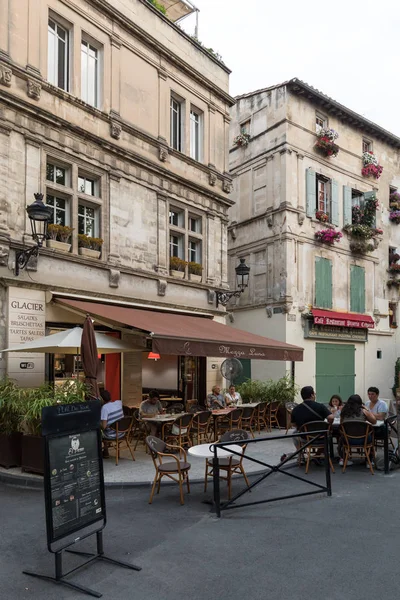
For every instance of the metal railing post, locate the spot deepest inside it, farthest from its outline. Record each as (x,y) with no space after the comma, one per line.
(327,448)
(217,497)
(386,448)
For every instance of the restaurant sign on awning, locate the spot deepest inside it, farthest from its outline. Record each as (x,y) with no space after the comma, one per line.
(337,319)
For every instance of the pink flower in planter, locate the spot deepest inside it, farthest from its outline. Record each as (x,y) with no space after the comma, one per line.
(328,236)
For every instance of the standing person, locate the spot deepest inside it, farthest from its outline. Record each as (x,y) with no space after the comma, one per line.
(379,408)
(232,397)
(309,410)
(111,412)
(215,400)
(150,408)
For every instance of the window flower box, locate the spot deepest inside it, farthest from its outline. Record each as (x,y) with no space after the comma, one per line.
(325,143)
(59,237)
(371,167)
(89,246)
(393,283)
(321,216)
(394,216)
(328,236)
(195,271)
(177,267)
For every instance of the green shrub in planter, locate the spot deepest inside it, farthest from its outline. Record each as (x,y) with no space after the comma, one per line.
(252,390)
(10,423)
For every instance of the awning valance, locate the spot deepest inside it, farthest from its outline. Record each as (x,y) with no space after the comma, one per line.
(339,319)
(178,334)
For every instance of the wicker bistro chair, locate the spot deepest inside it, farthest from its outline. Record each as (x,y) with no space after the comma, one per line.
(122,430)
(261,416)
(232,465)
(195,408)
(273,408)
(201,428)
(317,447)
(359,436)
(247,419)
(139,429)
(289,406)
(174,467)
(228,422)
(176,408)
(178,432)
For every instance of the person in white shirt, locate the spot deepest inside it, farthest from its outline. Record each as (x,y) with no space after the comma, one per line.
(111,412)
(379,408)
(232,397)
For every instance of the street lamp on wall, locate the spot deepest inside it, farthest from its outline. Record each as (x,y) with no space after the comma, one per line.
(242,281)
(39,216)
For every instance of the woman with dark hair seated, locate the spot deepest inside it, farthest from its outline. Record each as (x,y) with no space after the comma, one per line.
(354,410)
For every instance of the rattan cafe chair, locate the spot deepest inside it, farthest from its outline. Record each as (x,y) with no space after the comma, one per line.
(317,447)
(122,429)
(168,465)
(273,409)
(261,416)
(232,465)
(289,406)
(201,428)
(228,422)
(358,436)
(247,419)
(139,429)
(178,432)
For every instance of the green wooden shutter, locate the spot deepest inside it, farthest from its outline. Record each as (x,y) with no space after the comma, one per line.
(347,205)
(368,196)
(323,282)
(357,289)
(246,373)
(311,193)
(334,202)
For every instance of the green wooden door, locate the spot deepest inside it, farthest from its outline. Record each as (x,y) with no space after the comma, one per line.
(335,371)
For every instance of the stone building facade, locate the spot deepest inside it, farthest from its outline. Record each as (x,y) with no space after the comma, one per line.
(281,180)
(121,120)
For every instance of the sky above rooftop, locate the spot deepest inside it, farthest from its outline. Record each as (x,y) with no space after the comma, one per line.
(348,49)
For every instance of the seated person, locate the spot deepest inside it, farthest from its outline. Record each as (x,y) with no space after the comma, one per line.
(335,405)
(309,410)
(215,400)
(354,410)
(111,412)
(150,408)
(379,408)
(232,397)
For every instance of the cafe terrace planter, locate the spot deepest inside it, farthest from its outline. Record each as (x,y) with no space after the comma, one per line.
(32,459)
(177,274)
(196,278)
(10,450)
(60,246)
(89,252)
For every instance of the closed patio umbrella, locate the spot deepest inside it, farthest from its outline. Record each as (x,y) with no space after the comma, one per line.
(89,357)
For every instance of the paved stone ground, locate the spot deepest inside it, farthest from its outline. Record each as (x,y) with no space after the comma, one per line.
(343,547)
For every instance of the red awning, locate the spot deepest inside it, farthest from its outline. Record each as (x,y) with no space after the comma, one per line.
(339,319)
(178,334)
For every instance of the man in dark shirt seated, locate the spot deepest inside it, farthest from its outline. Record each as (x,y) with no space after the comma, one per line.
(308,410)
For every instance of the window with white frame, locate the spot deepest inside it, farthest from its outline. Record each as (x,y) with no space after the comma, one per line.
(321,122)
(58,55)
(88,220)
(324,186)
(57,174)
(185,234)
(60,209)
(366,145)
(196,133)
(90,65)
(87,185)
(176,112)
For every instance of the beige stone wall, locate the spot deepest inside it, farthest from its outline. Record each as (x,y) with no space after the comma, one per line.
(269,227)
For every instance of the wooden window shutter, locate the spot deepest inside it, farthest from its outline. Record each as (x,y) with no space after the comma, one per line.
(347,218)
(357,289)
(311,193)
(323,282)
(334,202)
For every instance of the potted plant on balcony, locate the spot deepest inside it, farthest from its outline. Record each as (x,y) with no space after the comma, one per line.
(322,216)
(10,424)
(242,140)
(59,237)
(177,267)
(325,143)
(195,270)
(328,236)
(89,246)
(371,166)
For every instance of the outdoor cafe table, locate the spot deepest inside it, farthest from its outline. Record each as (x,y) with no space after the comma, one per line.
(162,418)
